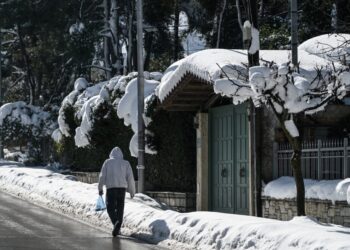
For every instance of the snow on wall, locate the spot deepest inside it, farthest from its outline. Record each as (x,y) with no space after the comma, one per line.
(333,190)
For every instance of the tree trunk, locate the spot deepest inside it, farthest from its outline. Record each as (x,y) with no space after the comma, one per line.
(298,176)
(253,59)
(29,74)
(176,31)
(223,7)
(296,166)
(261,9)
(130,35)
(114,24)
(148,49)
(106,40)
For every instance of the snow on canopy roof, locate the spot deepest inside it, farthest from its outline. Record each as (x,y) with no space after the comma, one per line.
(334,47)
(205,65)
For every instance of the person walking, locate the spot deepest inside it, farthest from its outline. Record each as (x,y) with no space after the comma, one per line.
(117,175)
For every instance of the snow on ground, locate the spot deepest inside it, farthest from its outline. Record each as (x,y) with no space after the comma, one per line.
(333,190)
(145,219)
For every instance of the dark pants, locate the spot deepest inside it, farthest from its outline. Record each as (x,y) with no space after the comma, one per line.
(115,205)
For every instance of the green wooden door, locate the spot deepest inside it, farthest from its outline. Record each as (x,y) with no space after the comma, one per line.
(228,158)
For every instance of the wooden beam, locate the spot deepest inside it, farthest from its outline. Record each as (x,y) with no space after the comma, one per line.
(198,87)
(192,98)
(210,102)
(182,109)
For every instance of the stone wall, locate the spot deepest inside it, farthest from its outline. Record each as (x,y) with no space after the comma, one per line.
(87,177)
(324,211)
(181,202)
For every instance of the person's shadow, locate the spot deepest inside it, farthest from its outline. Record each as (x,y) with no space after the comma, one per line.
(160,231)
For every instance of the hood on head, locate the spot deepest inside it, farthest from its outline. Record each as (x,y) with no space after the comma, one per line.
(116,153)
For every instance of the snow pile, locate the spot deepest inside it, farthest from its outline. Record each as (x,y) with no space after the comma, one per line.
(334,47)
(145,219)
(85,99)
(17,156)
(333,190)
(128,108)
(255,43)
(39,122)
(76,28)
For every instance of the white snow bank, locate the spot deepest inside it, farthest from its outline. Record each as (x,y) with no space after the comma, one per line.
(333,190)
(145,219)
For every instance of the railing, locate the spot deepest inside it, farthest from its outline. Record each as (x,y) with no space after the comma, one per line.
(321,159)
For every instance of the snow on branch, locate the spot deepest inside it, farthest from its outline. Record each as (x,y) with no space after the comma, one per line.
(285,91)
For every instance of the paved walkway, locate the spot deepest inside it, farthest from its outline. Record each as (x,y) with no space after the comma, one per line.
(27,226)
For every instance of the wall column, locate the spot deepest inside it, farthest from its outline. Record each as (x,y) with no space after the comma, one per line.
(202,162)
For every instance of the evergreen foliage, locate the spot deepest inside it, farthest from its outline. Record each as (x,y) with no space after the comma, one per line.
(173,136)
(107,132)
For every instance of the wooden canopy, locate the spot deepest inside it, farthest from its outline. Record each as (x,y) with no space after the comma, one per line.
(191,94)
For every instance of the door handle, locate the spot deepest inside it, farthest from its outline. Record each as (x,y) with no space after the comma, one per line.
(242,172)
(224,172)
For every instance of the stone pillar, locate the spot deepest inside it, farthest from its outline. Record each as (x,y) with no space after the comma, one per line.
(252,158)
(202,162)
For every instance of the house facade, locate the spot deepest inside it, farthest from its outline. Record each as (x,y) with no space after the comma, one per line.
(237,144)
(223,140)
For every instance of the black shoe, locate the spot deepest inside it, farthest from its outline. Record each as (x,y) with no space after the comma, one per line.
(115,231)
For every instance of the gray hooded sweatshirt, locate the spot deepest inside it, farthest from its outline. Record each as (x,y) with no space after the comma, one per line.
(117,173)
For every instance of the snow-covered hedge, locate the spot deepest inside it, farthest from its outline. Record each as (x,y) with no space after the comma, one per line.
(40,123)
(119,92)
(22,124)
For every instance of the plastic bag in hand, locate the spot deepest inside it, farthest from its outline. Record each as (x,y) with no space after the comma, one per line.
(100,204)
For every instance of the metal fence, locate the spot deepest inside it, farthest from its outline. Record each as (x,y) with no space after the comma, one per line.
(321,159)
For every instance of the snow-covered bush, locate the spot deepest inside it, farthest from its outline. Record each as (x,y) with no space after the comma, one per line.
(88,124)
(95,118)
(120,93)
(25,125)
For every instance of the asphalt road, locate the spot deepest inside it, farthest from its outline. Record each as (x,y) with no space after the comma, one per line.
(27,226)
